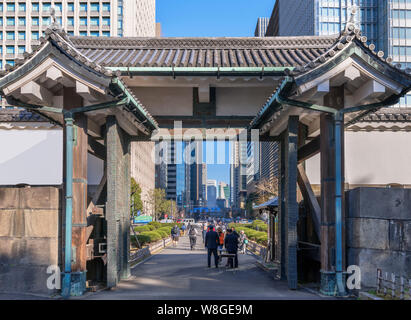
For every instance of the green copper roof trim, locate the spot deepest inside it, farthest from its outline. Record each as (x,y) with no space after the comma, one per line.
(201,69)
(119,84)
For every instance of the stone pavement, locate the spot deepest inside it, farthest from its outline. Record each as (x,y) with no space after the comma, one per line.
(177,273)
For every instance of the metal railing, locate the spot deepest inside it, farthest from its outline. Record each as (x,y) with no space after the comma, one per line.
(392,285)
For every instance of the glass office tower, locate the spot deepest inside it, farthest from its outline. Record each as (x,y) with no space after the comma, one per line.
(386,23)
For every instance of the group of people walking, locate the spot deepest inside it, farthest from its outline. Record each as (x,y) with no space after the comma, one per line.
(216,241)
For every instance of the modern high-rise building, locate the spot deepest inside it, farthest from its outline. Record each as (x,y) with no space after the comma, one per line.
(238,173)
(269,160)
(211,193)
(143,171)
(386,23)
(22,23)
(261,27)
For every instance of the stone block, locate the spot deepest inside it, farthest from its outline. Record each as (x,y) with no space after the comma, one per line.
(23,279)
(380,203)
(9,198)
(21,251)
(396,234)
(368,233)
(369,260)
(41,223)
(40,198)
(7,222)
(407,236)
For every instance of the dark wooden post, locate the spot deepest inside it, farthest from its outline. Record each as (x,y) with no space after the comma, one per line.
(334,99)
(281,214)
(118,202)
(291,206)
(288,214)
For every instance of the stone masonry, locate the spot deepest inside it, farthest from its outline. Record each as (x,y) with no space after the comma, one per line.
(379,232)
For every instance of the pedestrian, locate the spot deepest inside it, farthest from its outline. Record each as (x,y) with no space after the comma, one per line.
(231,245)
(220,242)
(211,243)
(192,233)
(243,242)
(175,231)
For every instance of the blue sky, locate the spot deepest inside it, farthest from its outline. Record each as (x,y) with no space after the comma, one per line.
(212,18)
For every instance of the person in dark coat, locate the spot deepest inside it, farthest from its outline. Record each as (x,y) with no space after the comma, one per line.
(211,243)
(231,245)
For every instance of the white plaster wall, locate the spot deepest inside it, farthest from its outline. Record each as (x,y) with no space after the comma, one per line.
(31,157)
(36,157)
(241,101)
(372,158)
(166,101)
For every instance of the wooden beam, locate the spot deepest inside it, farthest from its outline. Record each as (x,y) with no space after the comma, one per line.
(371,89)
(57,75)
(204,93)
(93,129)
(35,92)
(85,92)
(310,199)
(349,74)
(96,196)
(96,148)
(309,150)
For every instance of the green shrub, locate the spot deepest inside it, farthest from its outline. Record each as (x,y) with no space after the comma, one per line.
(142,238)
(166,229)
(262,239)
(140,229)
(155,224)
(153,236)
(162,233)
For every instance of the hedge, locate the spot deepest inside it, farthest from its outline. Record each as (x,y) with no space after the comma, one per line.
(153,232)
(142,229)
(258,236)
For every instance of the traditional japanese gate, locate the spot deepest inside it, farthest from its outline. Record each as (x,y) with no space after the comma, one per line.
(89,87)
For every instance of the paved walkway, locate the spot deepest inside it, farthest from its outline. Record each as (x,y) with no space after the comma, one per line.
(179,273)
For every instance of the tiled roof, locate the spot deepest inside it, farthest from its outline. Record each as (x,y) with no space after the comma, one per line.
(389,115)
(17,115)
(203,52)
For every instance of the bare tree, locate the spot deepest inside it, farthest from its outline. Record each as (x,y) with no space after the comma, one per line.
(266,189)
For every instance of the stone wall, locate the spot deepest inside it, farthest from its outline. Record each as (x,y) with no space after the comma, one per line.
(30,220)
(379,232)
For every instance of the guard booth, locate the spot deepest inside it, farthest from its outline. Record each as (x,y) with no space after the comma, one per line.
(89,86)
(271,208)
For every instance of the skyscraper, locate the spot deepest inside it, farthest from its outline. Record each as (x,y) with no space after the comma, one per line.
(22,23)
(261,27)
(238,173)
(211,193)
(386,23)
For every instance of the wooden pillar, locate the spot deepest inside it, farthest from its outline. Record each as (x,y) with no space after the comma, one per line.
(288,214)
(79,202)
(79,194)
(281,214)
(334,99)
(291,206)
(118,202)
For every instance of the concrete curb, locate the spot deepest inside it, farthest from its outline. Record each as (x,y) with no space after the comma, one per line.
(368,296)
